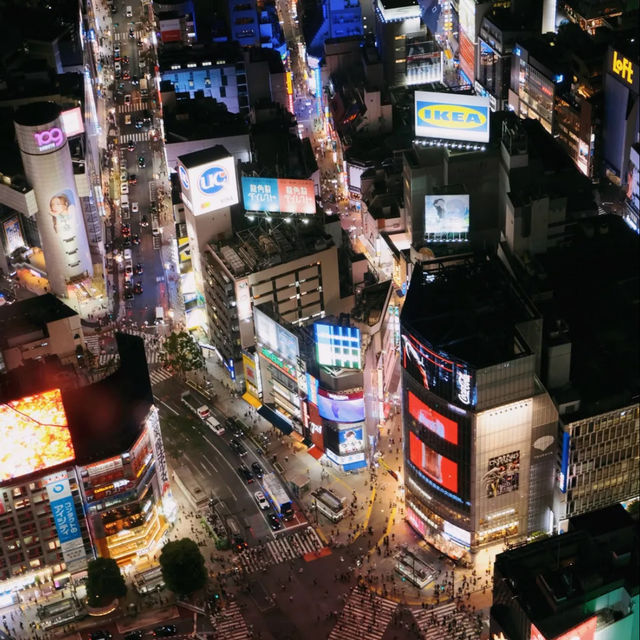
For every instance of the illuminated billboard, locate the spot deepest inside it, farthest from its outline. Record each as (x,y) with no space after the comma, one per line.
(273,195)
(72,122)
(451,116)
(503,474)
(337,346)
(584,631)
(446,218)
(350,440)
(275,337)
(13,234)
(210,186)
(341,408)
(434,465)
(34,435)
(432,420)
(450,379)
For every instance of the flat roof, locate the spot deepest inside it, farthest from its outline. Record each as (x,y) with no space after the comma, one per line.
(469,308)
(197,158)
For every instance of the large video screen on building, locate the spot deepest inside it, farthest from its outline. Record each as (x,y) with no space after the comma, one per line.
(278,194)
(446,218)
(452,116)
(450,379)
(275,337)
(34,435)
(433,464)
(210,186)
(432,420)
(337,346)
(341,408)
(503,474)
(351,440)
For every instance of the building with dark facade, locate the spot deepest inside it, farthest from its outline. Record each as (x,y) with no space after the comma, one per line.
(479,429)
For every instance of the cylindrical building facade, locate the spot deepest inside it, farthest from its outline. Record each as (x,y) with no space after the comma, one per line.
(47,165)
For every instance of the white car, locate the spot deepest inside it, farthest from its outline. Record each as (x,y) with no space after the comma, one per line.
(261,500)
(124,188)
(134,207)
(129,12)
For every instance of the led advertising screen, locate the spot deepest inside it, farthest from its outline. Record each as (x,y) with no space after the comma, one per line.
(34,435)
(503,474)
(72,122)
(350,440)
(275,337)
(432,420)
(13,234)
(339,408)
(584,631)
(446,218)
(210,186)
(337,346)
(451,116)
(273,194)
(452,380)
(434,465)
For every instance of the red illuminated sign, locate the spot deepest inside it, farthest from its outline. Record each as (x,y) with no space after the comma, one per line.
(584,631)
(434,465)
(34,435)
(432,420)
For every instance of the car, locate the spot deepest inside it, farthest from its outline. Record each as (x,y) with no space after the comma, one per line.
(117,68)
(274,521)
(128,272)
(142,163)
(125,230)
(234,427)
(131,34)
(138,269)
(124,176)
(139,124)
(114,9)
(127,118)
(129,11)
(135,238)
(126,75)
(125,59)
(257,470)
(131,146)
(116,51)
(137,288)
(127,98)
(134,635)
(100,635)
(128,294)
(133,179)
(236,445)
(135,80)
(239,543)
(144,221)
(263,503)
(134,208)
(124,188)
(243,471)
(126,242)
(165,630)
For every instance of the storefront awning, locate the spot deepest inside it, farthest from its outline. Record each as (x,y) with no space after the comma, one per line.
(252,400)
(277,421)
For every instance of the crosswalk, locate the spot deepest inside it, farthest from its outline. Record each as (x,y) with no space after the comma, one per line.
(365,615)
(434,624)
(143,136)
(160,375)
(228,623)
(92,342)
(283,548)
(151,347)
(124,35)
(132,107)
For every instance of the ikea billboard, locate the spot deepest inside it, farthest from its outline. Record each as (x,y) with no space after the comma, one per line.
(451,116)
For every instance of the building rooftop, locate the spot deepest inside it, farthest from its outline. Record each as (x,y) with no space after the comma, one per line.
(265,245)
(218,54)
(561,582)
(468,306)
(372,302)
(198,158)
(31,314)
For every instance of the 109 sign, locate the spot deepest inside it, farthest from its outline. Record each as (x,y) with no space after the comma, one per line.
(49,139)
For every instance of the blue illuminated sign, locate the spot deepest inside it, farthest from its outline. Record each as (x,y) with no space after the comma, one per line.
(260,194)
(213,180)
(63,511)
(564,464)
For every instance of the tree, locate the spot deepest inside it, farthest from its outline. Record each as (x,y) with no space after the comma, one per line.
(183,567)
(182,353)
(104,582)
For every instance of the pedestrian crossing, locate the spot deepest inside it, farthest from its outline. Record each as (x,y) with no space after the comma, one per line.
(365,615)
(438,623)
(131,107)
(124,35)
(228,623)
(92,342)
(281,549)
(160,375)
(143,136)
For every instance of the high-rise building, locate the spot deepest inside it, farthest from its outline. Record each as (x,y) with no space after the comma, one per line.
(479,429)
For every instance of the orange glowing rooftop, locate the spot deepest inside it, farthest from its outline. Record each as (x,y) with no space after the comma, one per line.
(34,434)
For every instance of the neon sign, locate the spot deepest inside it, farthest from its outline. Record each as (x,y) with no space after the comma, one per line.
(49,139)
(622,67)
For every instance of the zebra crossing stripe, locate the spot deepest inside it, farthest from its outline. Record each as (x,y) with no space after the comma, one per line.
(363,612)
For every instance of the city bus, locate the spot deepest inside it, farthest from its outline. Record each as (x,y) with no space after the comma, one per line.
(328,504)
(276,494)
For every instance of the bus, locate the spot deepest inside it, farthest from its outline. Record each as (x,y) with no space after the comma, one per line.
(190,487)
(328,504)
(415,570)
(276,494)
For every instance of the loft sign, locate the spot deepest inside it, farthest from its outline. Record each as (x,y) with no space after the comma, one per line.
(622,67)
(49,139)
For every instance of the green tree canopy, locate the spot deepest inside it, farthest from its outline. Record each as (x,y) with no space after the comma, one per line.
(183,567)
(182,353)
(104,582)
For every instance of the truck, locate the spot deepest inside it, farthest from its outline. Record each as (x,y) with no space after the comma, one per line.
(277,495)
(201,410)
(144,89)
